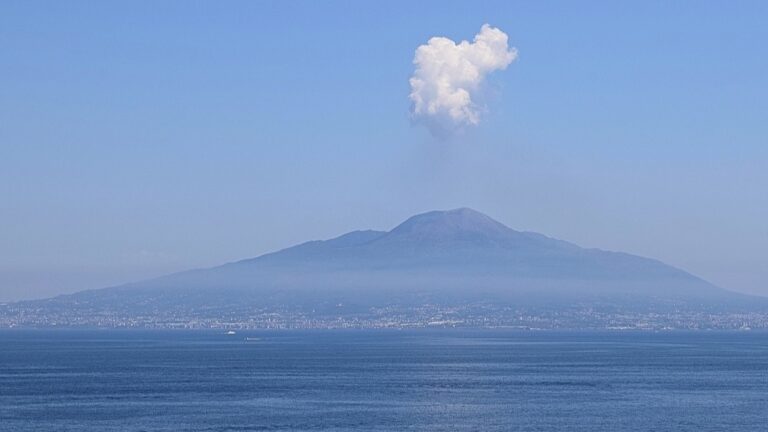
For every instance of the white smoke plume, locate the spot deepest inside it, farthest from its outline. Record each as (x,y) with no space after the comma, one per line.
(448,76)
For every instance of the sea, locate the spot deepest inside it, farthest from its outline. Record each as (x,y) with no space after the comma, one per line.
(383,380)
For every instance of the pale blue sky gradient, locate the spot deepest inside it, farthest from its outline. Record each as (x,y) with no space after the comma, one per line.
(139,138)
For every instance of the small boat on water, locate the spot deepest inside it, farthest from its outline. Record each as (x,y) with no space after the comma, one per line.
(252,339)
(231,332)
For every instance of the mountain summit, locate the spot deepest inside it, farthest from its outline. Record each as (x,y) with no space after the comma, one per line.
(440,225)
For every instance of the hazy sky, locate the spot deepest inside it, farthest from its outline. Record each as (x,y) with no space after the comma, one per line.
(139,138)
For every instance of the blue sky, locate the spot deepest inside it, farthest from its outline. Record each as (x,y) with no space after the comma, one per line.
(139,138)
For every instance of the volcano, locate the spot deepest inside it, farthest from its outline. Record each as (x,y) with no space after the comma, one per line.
(454,257)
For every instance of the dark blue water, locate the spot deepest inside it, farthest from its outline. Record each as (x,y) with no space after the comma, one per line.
(383,381)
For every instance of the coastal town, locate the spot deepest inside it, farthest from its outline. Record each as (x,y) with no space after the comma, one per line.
(17,315)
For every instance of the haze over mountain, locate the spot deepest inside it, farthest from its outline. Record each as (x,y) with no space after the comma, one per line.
(450,257)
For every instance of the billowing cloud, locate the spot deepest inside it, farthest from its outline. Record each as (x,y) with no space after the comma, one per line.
(448,76)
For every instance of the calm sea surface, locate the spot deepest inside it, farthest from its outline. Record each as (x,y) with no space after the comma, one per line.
(447,380)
